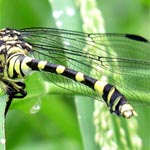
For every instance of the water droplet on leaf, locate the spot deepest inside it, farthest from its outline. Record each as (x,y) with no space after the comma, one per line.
(35,108)
(2,140)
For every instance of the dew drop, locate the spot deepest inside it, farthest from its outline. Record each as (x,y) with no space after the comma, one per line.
(104,78)
(59,23)
(66,43)
(70,11)
(35,109)
(57,13)
(79,117)
(2,140)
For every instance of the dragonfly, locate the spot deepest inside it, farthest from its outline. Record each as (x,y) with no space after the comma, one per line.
(112,68)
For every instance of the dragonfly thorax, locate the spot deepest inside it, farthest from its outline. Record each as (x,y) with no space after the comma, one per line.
(11,42)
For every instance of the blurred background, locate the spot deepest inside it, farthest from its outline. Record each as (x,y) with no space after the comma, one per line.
(51,121)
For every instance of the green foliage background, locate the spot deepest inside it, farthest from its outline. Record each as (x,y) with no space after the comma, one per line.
(55,125)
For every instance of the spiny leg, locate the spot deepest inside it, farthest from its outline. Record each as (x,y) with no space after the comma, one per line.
(13,93)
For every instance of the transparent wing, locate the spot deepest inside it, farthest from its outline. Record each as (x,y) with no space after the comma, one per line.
(121,58)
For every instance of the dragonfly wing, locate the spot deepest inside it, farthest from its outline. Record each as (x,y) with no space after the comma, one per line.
(123,59)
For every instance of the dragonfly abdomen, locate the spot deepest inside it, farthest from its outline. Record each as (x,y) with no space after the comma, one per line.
(22,65)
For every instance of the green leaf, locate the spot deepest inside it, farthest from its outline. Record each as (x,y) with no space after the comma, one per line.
(46,127)
(3,99)
(85,107)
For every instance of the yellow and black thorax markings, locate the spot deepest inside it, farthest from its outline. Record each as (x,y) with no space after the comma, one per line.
(11,41)
(11,44)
